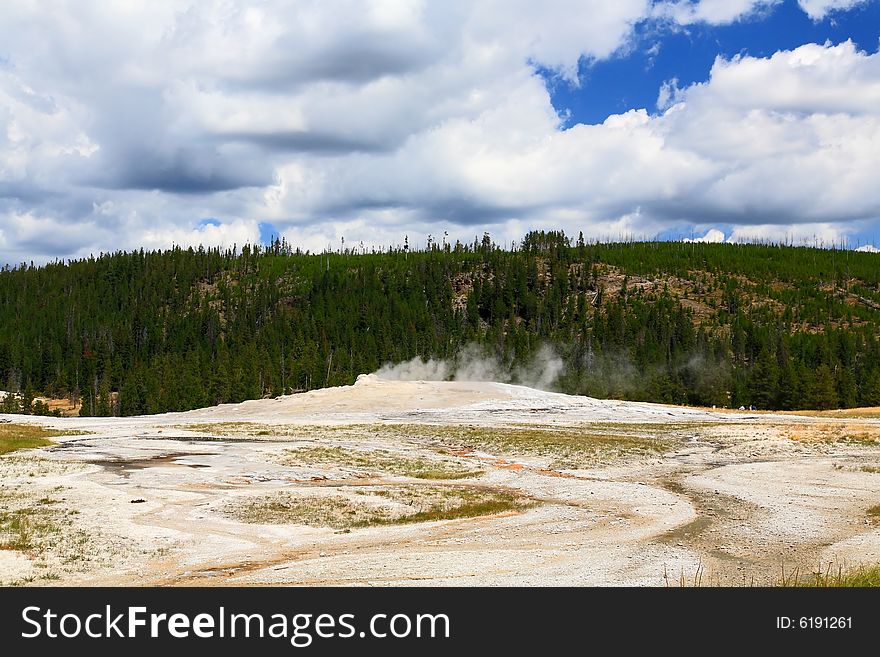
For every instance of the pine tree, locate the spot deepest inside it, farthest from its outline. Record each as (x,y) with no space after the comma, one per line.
(763,381)
(870,392)
(822,390)
(27,398)
(847,392)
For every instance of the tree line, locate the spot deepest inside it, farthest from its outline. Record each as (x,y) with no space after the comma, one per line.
(778,327)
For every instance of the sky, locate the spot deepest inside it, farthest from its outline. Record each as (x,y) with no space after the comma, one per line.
(143,124)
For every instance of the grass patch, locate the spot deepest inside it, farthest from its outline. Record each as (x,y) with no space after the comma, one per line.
(26,436)
(229,428)
(313,510)
(874,512)
(379,460)
(840,434)
(29,527)
(254,429)
(378,507)
(861,577)
(23,528)
(46,531)
(453,503)
(833,576)
(859,439)
(848,413)
(566,447)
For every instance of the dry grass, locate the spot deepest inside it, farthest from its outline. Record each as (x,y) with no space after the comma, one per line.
(864,438)
(64,406)
(377,507)
(837,434)
(848,413)
(565,447)
(239,429)
(372,461)
(871,413)
(832,576)
(261,431)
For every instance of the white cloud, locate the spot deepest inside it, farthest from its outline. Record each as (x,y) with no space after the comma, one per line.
(712,236)
(715,12)
(818,9)
(723,12)
(812,79)
(125,124)
(669,95)
(224,235)
(868,248)
(794,136)
(28,236)
(811,234)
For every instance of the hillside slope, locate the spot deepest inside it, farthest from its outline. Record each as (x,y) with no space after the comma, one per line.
(706,324)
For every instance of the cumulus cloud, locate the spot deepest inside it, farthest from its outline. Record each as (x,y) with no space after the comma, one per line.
(206,233)
(712,236)
(793,137)
(808,234)
(818,9)
(125,124)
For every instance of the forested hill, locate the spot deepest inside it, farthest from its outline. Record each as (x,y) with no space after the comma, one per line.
(132,333)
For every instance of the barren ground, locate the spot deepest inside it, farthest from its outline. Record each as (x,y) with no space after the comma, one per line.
(396,483)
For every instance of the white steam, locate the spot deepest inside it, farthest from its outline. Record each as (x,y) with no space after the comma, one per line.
(416,370)
(474,364)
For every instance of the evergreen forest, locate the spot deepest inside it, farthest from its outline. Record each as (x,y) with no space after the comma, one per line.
(777,327)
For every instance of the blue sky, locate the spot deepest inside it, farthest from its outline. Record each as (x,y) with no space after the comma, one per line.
(219,122)
(632,79)
(661,53)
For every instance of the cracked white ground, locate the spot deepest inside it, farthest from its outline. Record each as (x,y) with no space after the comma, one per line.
(638,494)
